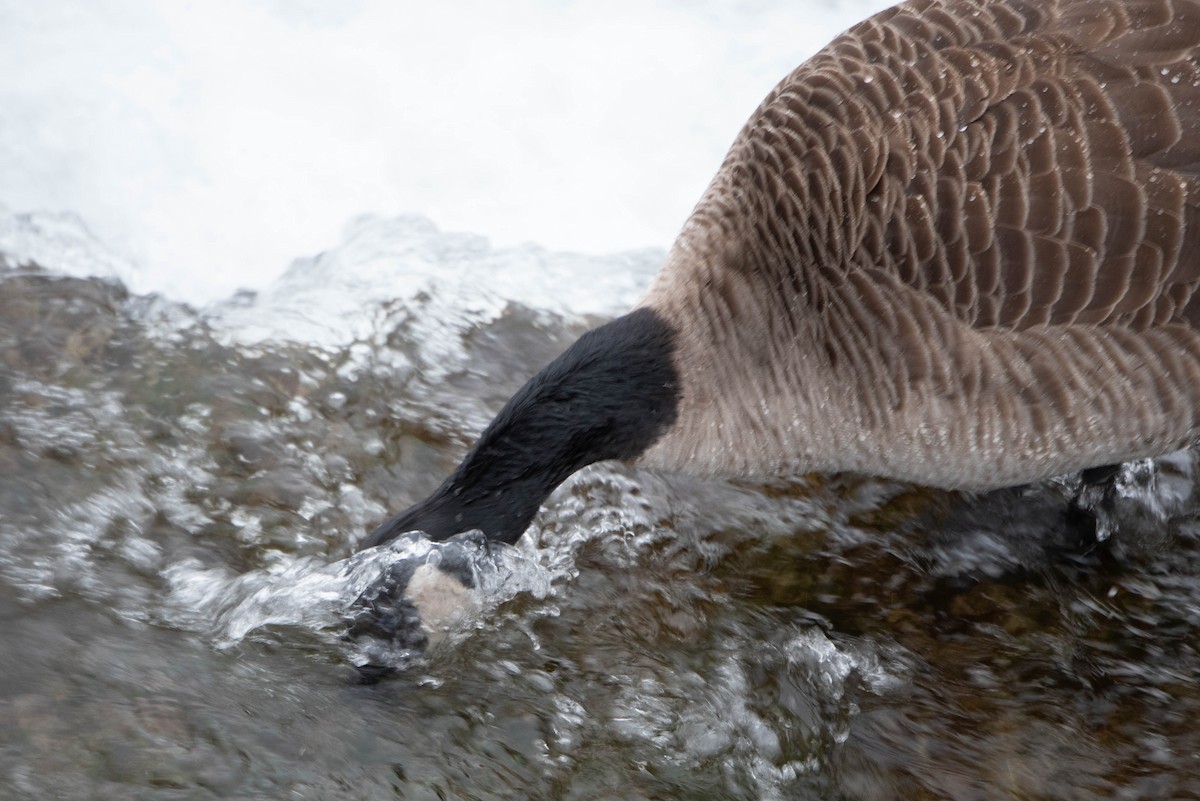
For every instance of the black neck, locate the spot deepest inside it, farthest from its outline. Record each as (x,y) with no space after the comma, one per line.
(611,395)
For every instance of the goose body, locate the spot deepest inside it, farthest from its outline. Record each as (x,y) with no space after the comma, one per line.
(958,247)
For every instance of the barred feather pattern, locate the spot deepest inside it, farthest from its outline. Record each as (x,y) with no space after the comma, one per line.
(958,246)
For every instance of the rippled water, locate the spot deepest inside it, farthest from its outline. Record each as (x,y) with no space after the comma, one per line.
(181,492)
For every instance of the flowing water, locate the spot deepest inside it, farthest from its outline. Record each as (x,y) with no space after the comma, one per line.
(181,491)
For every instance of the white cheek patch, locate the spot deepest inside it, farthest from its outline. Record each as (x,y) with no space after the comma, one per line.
(441,600)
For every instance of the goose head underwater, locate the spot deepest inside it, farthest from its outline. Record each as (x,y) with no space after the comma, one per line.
(957,247)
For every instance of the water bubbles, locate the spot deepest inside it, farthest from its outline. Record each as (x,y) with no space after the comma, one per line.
(335,400)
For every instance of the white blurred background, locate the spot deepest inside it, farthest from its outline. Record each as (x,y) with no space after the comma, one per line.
(210,143)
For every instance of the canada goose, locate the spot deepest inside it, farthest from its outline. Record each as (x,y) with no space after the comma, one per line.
(956,247)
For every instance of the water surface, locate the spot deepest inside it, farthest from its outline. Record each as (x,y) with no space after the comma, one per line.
(179,489)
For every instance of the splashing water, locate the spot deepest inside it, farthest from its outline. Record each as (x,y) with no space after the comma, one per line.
(182,492)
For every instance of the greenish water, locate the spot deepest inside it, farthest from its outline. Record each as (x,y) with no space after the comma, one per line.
(174,507)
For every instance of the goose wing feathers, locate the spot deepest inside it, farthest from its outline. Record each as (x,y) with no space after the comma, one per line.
(978,222)
(1021,164)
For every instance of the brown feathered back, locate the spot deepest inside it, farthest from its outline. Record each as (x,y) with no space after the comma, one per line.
(957,246)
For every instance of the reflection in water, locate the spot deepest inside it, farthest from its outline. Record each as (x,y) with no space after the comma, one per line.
(181,494)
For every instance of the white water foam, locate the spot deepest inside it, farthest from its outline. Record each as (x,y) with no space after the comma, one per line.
(445,281)
(313,593)
(60,243)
